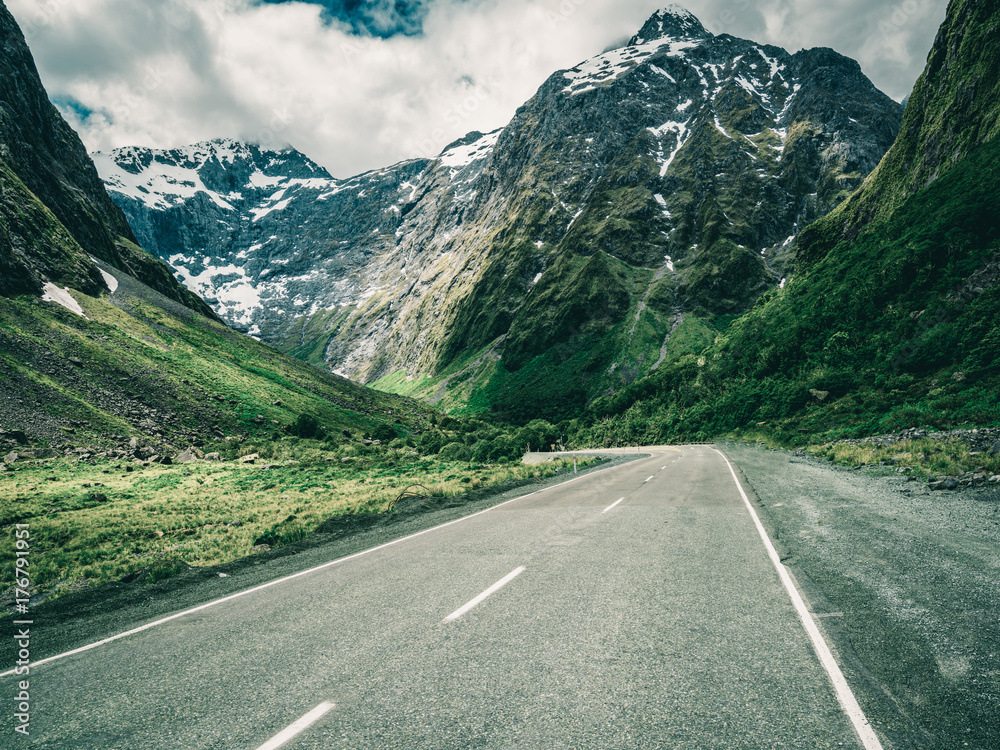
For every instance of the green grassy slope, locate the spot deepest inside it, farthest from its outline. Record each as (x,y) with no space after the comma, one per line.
(143,366)
(151,361)
(34,245)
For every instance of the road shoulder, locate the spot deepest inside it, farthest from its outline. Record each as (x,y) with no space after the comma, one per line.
(903,583)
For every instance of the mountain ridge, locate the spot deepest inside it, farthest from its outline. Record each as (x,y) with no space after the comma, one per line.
(673,21)
(692,159)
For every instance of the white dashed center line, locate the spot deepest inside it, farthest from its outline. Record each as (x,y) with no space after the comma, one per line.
(612,505)
(297,728)
(491,590)
(648,480)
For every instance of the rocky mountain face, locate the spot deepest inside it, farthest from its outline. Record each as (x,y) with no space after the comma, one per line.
(266,236)
(633,206)
(891,321)
(56,215)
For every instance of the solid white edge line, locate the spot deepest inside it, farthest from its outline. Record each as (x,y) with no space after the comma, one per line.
(489,592)
(612,505)
(301,573)
(297,728)
(844,693)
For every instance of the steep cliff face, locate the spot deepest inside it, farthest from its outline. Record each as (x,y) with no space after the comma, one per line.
(954,108)
(664,183)
(46,165)
(56,214)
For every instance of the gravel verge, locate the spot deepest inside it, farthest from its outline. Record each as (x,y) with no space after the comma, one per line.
(904,581)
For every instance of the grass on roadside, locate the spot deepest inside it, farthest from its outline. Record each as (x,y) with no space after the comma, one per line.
(97,522)
(924,456)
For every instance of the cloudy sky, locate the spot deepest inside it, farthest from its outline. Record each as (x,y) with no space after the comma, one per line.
(360,84)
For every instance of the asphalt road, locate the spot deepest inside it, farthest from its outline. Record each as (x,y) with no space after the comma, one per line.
(639,609)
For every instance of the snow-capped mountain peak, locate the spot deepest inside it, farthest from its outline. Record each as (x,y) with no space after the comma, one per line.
(672,22)
(671,31)
(222,170)
(268,235)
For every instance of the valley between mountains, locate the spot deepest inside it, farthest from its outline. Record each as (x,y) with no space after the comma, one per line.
(222,365)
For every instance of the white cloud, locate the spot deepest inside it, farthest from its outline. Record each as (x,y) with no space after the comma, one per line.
(171,72)
(890,39)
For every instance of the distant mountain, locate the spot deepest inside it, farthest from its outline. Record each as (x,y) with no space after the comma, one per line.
(100,346)
(892,320)
(269,236)
(634,205)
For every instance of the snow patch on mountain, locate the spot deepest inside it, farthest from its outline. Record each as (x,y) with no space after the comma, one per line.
(610,66)
(679,131)
(164,179)
(266,236)
(261,211)
(62,297)
(159,186)
(718,126)
(110,281)
(460,157)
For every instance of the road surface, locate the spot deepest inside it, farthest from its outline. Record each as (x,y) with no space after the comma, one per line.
(636,607)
